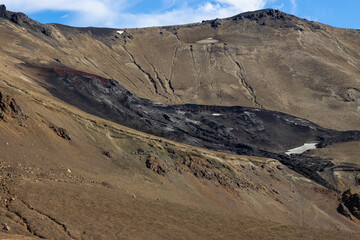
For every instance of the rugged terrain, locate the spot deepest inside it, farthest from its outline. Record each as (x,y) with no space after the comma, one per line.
(179,132)
(263,59)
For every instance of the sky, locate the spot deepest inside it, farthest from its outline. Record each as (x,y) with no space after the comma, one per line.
(145,13)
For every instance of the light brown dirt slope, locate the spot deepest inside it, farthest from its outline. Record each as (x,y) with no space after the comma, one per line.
(110,182)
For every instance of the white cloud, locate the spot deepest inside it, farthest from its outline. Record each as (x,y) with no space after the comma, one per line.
(293,6)
(186,14)
(90,12)
(243,4)
(113,13)
(280,7)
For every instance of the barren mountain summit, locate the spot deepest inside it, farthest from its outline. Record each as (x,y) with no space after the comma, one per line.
(239,128)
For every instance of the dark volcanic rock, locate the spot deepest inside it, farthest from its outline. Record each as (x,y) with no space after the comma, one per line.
(19,18)
(270,17)
(351,202)
(213,23)
(239,130)
(275,18)
(340,137)
(106,153)
(342,209)
(23,20)
(3,11)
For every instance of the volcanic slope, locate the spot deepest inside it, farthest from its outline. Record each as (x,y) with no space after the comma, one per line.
(66,174)
(238,130)
(263,59)
(106,53)
(63,91)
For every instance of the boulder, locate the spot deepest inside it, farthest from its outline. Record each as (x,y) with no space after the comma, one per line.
(342,209)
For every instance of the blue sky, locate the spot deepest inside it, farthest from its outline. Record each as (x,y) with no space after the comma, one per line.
(142,13)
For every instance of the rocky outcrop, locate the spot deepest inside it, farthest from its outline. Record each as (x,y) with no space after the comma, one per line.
(350,94)
(61,132)
(213,23)
(23,20)
(3,13)
(213,171)
(275,18)
(270,17)
(350,205)
(155,165)
(342,209)
(107,153)
(9,108)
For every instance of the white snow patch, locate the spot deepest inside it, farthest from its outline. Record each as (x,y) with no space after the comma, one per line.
(208,40)
(120,32)
(216,114)
(302,149)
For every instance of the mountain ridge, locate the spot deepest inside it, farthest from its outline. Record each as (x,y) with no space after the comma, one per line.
(252,15)
(242,84)
(78,107)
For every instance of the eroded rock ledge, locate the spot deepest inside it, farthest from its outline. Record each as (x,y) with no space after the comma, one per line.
(350,205)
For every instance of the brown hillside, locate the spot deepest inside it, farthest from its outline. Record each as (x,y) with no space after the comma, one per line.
(96,144)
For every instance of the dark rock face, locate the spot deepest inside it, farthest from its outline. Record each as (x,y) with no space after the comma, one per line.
(342,209)
(239,130)
(23,20)
(213,23)
(351,202)
(107,154)
(274,18)
(19,18)
(269,17)
(2,11)
(242,128)
(339,137)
